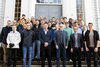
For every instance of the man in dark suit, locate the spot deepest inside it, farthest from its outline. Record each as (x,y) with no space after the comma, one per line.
(4,33)
(61,40)
(91,45)
(46,39)
(76,46)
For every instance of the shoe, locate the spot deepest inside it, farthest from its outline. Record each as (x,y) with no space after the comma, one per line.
(4,64)
(14,66)
(38,61)
(70,60)
(1,62)
(8,66)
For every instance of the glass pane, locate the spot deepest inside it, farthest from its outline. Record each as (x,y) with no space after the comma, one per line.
(48,1)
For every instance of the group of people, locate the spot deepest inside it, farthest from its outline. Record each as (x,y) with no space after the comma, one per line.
(37,37)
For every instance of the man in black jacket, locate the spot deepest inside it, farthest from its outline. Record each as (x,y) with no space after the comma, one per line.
(76,46)
(37,43)
(46,39)
(91,44)
(1,50)
(4,33)
(28,37)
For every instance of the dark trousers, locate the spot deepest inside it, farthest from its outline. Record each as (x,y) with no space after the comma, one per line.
(68,52)
(46,52)
(91,53)
(61,51)
(1,53)
(12,54)
(76,56)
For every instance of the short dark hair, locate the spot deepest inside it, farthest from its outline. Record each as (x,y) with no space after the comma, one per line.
(90,23)
(36,20)
(64,17)
(75,22)
(23,15)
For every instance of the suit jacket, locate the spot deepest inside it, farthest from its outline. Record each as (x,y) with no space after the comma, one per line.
(45,37)
(58,38)
(4,33)
(96,37)
(79,40)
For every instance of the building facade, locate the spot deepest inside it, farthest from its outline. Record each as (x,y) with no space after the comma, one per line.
(89,10)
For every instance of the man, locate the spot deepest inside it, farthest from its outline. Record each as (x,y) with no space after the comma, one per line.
(64,20)
(23,17)
(46,39)
(69,33)
(70,22)
(1,50)
(79,29)
(91,44)
(28,37)
(13,40)
(4,33)
(37,43)
(76,46)
(61,40)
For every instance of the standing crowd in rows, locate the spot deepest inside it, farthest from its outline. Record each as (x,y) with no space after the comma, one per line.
(38,38)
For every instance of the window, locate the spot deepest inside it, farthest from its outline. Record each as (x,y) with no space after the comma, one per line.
(80,11)
(48,1)
(17,9)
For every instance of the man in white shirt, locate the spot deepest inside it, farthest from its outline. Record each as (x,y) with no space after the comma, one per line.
(13,40)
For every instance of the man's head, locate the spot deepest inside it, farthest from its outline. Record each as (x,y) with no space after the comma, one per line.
(67,25)
(61,19)
(8,23)
(76,24)
(57,26)
(75,29)
(65,19)
(14,22)
(28,26)
(45,26)
(61,26)
(70,20)
(90,25)
(41,17)
(53,19)
(14,28)
(23,16)
(37,22)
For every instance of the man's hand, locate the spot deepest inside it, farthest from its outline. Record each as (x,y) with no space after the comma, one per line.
(87,49)
(72,50)
(46,44)
(96,49)
(57,47)
(81,49)
(66,47)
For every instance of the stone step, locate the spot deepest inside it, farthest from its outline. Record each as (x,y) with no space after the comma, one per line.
(52,66)
(53,63)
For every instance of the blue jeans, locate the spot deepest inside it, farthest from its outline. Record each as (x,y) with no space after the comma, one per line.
(36,44)
(25,50)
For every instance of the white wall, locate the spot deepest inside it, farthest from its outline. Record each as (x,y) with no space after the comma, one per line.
(69,9)
(9,11)
(28,8)
(98,14)
(2,4)
(32,8)
(24,7)
(90,12)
